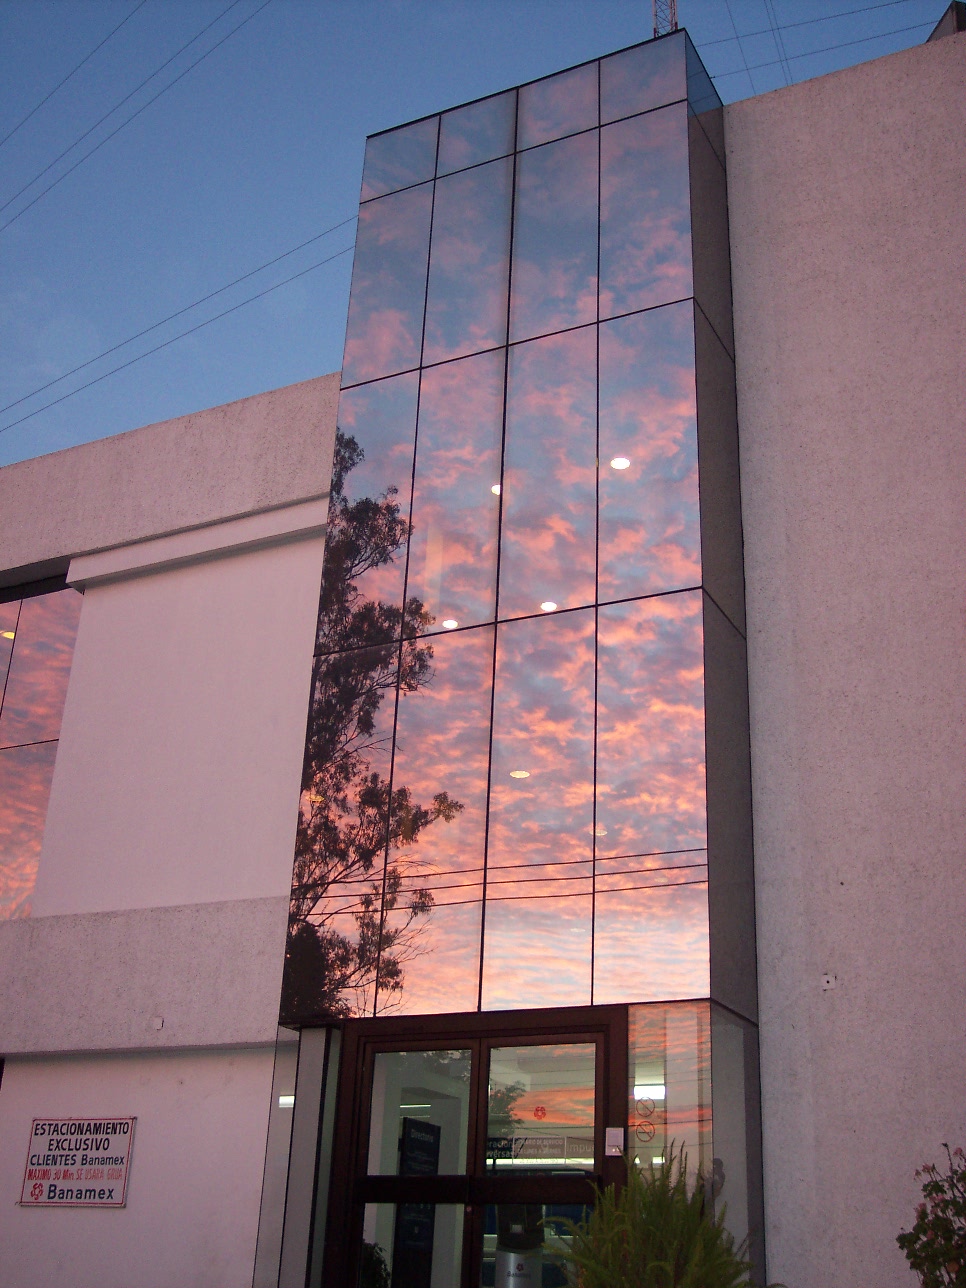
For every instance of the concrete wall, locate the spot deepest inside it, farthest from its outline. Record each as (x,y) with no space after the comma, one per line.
(195,1174)
(850,317)
(159,915)
(254,454)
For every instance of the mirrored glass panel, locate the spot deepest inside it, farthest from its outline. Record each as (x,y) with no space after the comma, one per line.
(639,79)
(477,132)
(25,776)
(650,531)
(39,668)
(412,1245)
(368,523)
(399,158)
(645,224)
(557,105)
(8,631)
(335,936)
(539,873)
(466,304)
(651,928)
(669,1084)
(419,1113)
(529,1243)
(540,1114)
(650,727)
(554,282)
(384,330)
(549,481)
(431,953)
(456,503)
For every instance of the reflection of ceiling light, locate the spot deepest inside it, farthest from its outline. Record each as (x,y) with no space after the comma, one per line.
(286,1102)
(519,773)
(649,1091)
(600,830)
(495,489)
(450,623)
(619,463)
(415,1106)
(658,1160)
(7,635)
(548,606)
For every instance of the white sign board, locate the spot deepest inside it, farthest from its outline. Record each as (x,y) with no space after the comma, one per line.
(78,1162)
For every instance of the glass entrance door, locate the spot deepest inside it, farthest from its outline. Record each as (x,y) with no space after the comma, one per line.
(465,1155)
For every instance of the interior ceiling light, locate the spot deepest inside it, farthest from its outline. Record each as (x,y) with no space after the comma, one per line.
(548,606)
(495,489)
(619,463)
(519,773)
(450,623)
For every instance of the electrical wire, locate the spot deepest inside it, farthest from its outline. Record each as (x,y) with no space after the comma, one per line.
(741,50)
(107,138)
(191,330)
(808,22)
(812,53)
(60,84)
(171,316)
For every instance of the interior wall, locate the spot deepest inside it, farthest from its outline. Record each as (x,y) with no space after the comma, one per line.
(195,1173)
(849,274)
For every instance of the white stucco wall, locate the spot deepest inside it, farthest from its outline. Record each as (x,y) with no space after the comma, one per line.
(177,775)
(195,1178)
(850,318)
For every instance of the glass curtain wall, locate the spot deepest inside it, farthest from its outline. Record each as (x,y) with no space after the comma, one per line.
(530,654)
(37,635)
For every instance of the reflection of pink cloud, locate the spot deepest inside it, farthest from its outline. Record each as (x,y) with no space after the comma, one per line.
(537,954)
(388,286)
(558,105)
(452,566)
(25,774)
(645,212)
(651,944)
(549,493)
(444,974)
(543,724)
(466,300)
(555,238)
(33,701)
(650,726)
(636,80)
(672,1045)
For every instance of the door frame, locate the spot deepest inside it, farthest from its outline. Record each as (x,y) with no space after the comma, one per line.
(350,1188)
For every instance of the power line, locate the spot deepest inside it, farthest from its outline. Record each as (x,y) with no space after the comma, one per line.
(741,49)
(80,138)
(133,115)
(181,335)
(60,84)
(779,42)
(807,22)
(171,316)
(812,53)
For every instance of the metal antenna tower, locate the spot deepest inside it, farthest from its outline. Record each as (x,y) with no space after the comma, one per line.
(665,16)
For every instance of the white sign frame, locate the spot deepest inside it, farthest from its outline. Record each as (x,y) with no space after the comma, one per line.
(78,1162)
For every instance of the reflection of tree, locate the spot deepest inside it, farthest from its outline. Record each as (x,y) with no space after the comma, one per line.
(350,815)
(501,1117)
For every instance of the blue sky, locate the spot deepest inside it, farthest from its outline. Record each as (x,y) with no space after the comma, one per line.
(259,149)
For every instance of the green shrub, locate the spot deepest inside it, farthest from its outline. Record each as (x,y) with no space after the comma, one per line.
(935,1247)
(655,1233)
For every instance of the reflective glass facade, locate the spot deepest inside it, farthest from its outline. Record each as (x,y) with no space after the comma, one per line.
(36,648)
(526,777)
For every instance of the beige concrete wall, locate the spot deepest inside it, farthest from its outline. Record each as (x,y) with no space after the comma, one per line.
(254,454)
(846,199)
(195,1175)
